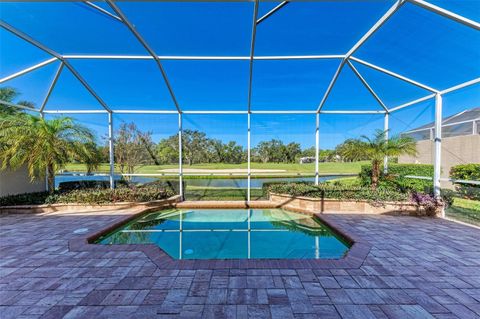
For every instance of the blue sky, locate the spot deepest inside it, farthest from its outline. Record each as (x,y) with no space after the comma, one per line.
(416,43)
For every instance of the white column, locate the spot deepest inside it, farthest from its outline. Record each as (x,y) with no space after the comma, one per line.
(180,162)
(248,157)
(110,150)
(317,146)
(385,128)
(438,145)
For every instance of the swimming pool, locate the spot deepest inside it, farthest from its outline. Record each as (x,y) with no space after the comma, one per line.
(232,234)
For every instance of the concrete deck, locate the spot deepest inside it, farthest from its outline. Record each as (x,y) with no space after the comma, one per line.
(416,268)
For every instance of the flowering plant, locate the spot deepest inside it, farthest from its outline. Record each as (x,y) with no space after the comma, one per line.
(426,201)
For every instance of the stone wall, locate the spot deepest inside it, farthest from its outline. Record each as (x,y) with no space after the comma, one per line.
(344,207)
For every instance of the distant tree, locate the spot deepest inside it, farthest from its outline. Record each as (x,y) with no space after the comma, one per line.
(131,148)
(44,145)
(263,151)
(195,146)
(8,94)
(376,149)
(167,150)
(309,152)
(292,152)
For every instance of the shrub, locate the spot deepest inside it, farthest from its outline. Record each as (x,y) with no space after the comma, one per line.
(99,184)
(395,179)
(24,199)
(169,184)
(467,172)
(90,196)
(426,201)
(448,197)
(327,190)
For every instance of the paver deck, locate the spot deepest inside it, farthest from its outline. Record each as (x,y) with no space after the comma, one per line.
(416,268)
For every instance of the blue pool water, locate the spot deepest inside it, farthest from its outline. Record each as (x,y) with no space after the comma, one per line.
(232,234)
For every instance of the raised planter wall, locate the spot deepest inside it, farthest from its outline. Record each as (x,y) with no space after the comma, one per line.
(346,207)
(73,207)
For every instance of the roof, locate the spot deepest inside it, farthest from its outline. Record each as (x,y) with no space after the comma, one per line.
(460,117)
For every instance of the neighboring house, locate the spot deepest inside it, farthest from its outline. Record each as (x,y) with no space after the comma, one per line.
(460,141)
(307,159)
(18,182)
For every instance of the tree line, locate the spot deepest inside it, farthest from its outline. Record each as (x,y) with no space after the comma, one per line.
(133,147)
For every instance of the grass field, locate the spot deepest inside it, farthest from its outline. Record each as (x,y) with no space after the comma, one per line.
(291,169)
(465,210)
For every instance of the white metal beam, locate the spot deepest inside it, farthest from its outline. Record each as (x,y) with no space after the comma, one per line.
(17,106)
(102,10)
(249,159)
(202,57)
(437,167)
(396,75)
(111,151)
(367,86)
(52,86)
(386,130)
(449,90)
(75,111)
(317,145)
(352,112)
(269,13)
(394,8)
(330,86)
(447,14)
(252,54)
(427,97)
(34,42)
(180,157)
(142,41)
(460,86)
(27,70)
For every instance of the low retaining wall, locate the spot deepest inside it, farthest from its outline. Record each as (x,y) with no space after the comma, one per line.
(74,207)
(346,207)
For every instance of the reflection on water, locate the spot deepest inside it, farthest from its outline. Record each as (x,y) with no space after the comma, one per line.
(232,233)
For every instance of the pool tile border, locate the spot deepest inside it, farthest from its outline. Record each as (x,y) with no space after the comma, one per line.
(353,259)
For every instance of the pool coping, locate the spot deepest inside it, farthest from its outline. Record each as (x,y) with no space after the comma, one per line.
(354,257)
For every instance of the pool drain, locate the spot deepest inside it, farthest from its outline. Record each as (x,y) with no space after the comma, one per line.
(188,251)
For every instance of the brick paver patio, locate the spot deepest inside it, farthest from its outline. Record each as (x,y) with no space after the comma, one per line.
(416,268)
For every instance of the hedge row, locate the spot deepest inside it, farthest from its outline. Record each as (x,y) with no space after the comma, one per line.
(90,196)
(395,179)
(332,191)
(467,172)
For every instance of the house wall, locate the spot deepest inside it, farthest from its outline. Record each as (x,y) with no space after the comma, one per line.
(18,182)
(455,150)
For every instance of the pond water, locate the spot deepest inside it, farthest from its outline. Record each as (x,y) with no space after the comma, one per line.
(201,182)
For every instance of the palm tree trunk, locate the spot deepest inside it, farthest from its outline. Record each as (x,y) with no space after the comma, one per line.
(375,174)
(51,178)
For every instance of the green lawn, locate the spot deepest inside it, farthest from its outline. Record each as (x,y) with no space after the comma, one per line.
(465,210)
(222,194)
(293,169)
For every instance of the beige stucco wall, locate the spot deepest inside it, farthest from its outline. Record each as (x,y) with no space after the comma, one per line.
(18,182)
(455,150)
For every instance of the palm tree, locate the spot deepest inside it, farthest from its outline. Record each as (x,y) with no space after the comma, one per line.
(44,145)
(376,149)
